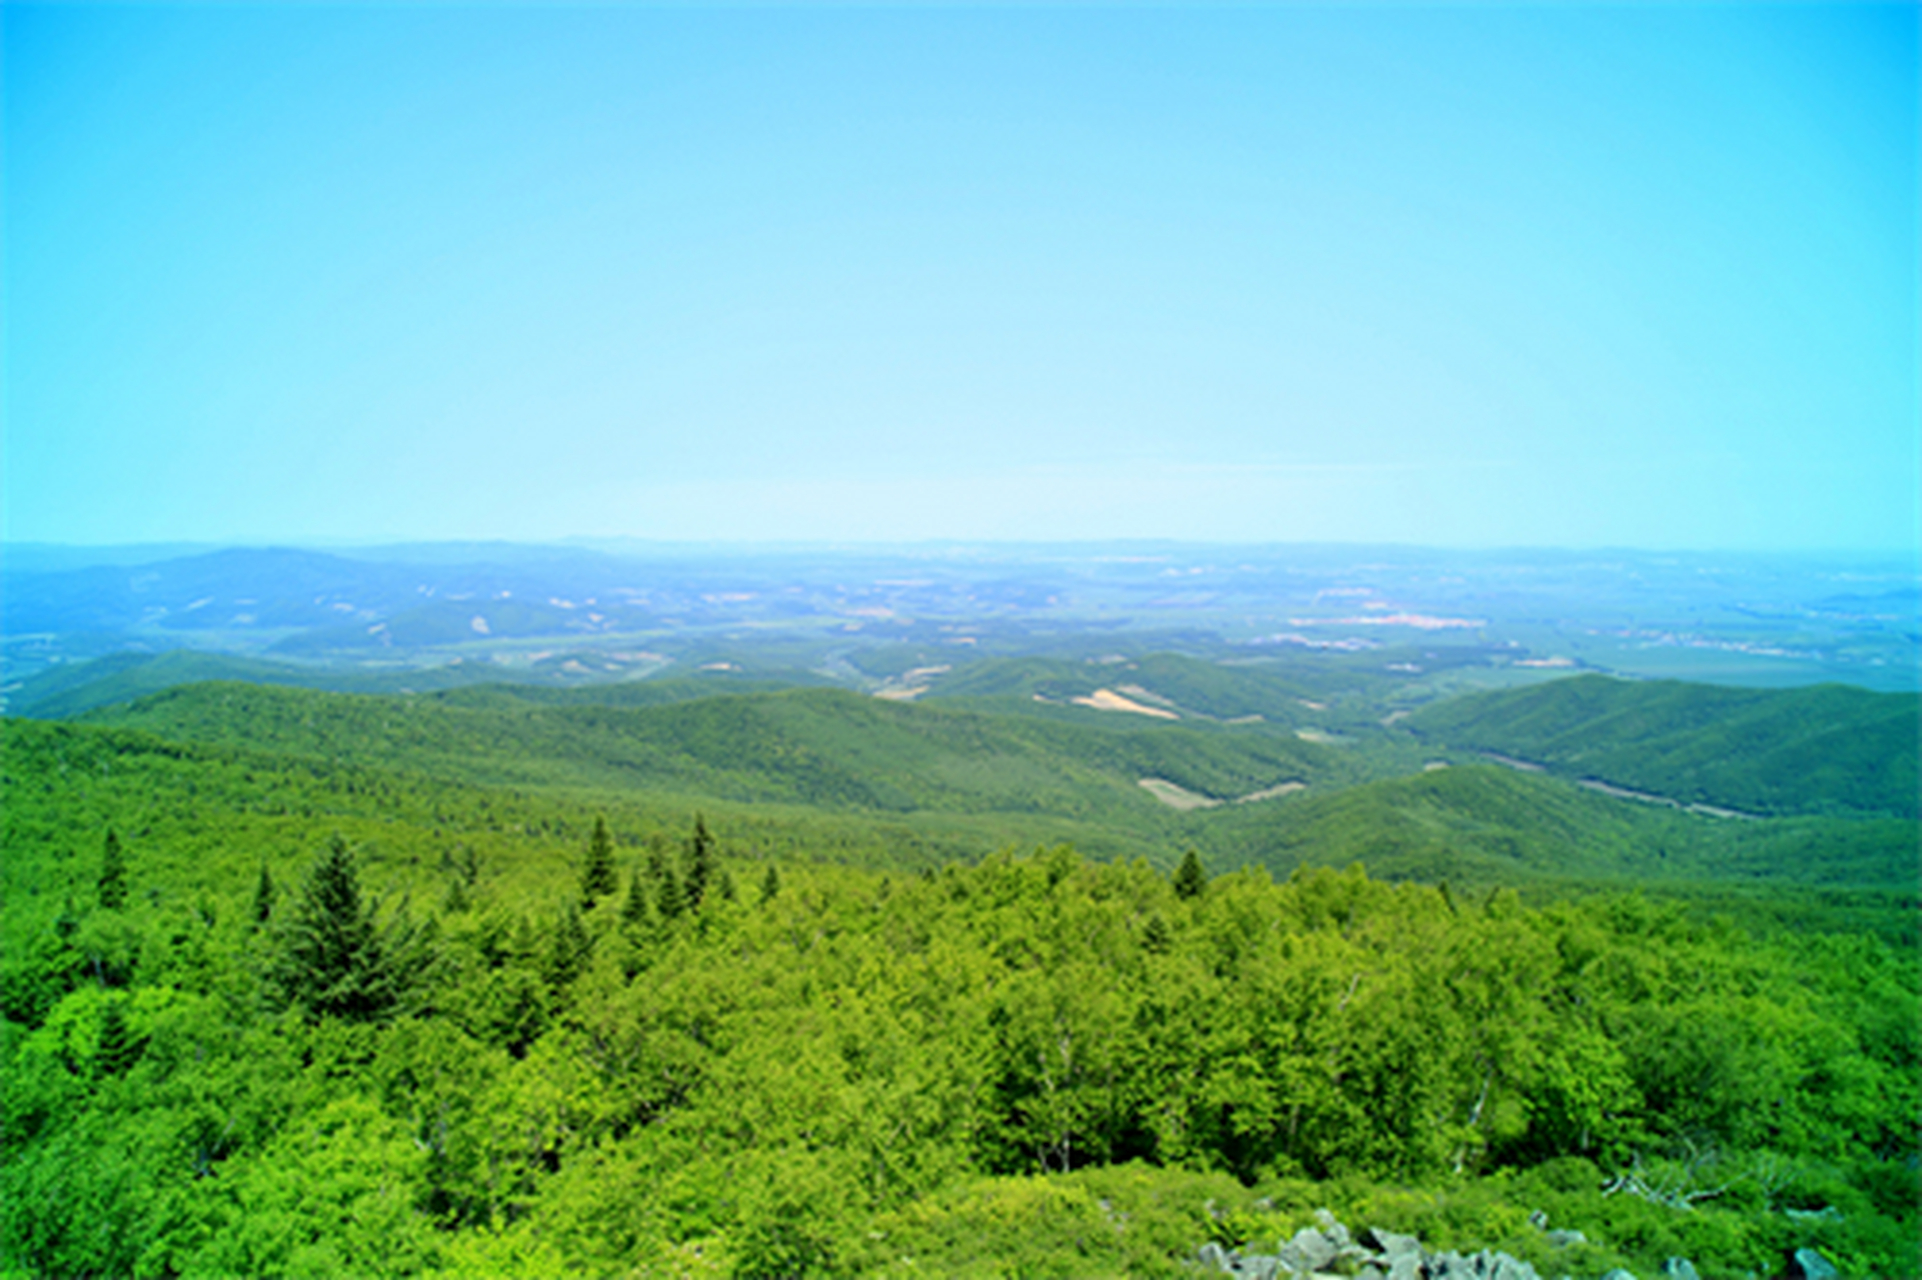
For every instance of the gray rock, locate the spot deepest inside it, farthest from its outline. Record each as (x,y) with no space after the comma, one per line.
(1332,1230)
(1259,1266)
(1406,1266)
(1807,1264)
(1561,1238)
(1501,1266)
(1309,1251)
(1827,1213)
(1538,1220)
(1213,1256)
(1391,1244)
(1680,1269)
(1619,1274)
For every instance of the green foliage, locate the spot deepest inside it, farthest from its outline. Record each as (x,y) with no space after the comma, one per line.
(263,896)
(599,879)
(336,959)
(669,891)
(701,865)
(116,1048)
(1822,749)
(1046,1064)
(1190,880)
(111,886)
(634,905)
(568,948)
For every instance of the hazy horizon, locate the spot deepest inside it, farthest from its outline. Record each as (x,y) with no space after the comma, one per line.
(1477,278)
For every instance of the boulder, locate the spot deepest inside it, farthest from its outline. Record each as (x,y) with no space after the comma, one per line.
(1807,1264)
(1308,1252)
(1390,1244)
(1501,1266)
(1561,1238)
(1407,1266)
(1332,1230)
(1680,1269)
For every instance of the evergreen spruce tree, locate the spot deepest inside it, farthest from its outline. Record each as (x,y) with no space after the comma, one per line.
(670,898)
(113,875)
(1190,879)
(701,862)
(117,1048)
(598,877)
(770,884)
(263,896)
(569,948)
(334,961)
(634,908)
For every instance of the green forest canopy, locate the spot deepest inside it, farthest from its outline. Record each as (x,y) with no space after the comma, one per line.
(312,1015)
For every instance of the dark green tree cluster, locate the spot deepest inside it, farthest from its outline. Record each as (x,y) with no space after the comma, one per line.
(112,884)
(599,876)
(336,957)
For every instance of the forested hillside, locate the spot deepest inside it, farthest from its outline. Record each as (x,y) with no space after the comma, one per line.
(820,747)
(649,979)
(963,778)
(1824,749)
(705,1064)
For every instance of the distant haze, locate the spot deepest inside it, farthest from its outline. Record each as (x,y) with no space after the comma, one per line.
(1494,275)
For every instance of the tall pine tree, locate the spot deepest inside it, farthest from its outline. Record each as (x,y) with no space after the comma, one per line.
(263,896)
(118,1047)
(670,897)
(701,862)
(598,877)
(334,960)
(634,906)
(1190,879)
(568,949)
(113,875)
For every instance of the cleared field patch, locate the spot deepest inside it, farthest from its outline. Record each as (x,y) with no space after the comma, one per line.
(1176,796)
(1109,700)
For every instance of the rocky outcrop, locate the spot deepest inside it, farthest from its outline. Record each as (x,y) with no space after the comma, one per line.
(1327,1251)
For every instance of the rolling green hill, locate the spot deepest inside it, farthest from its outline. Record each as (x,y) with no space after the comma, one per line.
(1483,825)
(1822,749)
(819,747)
(121,677)
(1348,693)
(979,1063)
(561,677)
(962,778)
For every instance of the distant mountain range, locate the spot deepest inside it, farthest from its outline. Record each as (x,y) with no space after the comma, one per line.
(1751,620)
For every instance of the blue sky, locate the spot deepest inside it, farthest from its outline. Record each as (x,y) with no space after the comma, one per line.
(1485,275)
